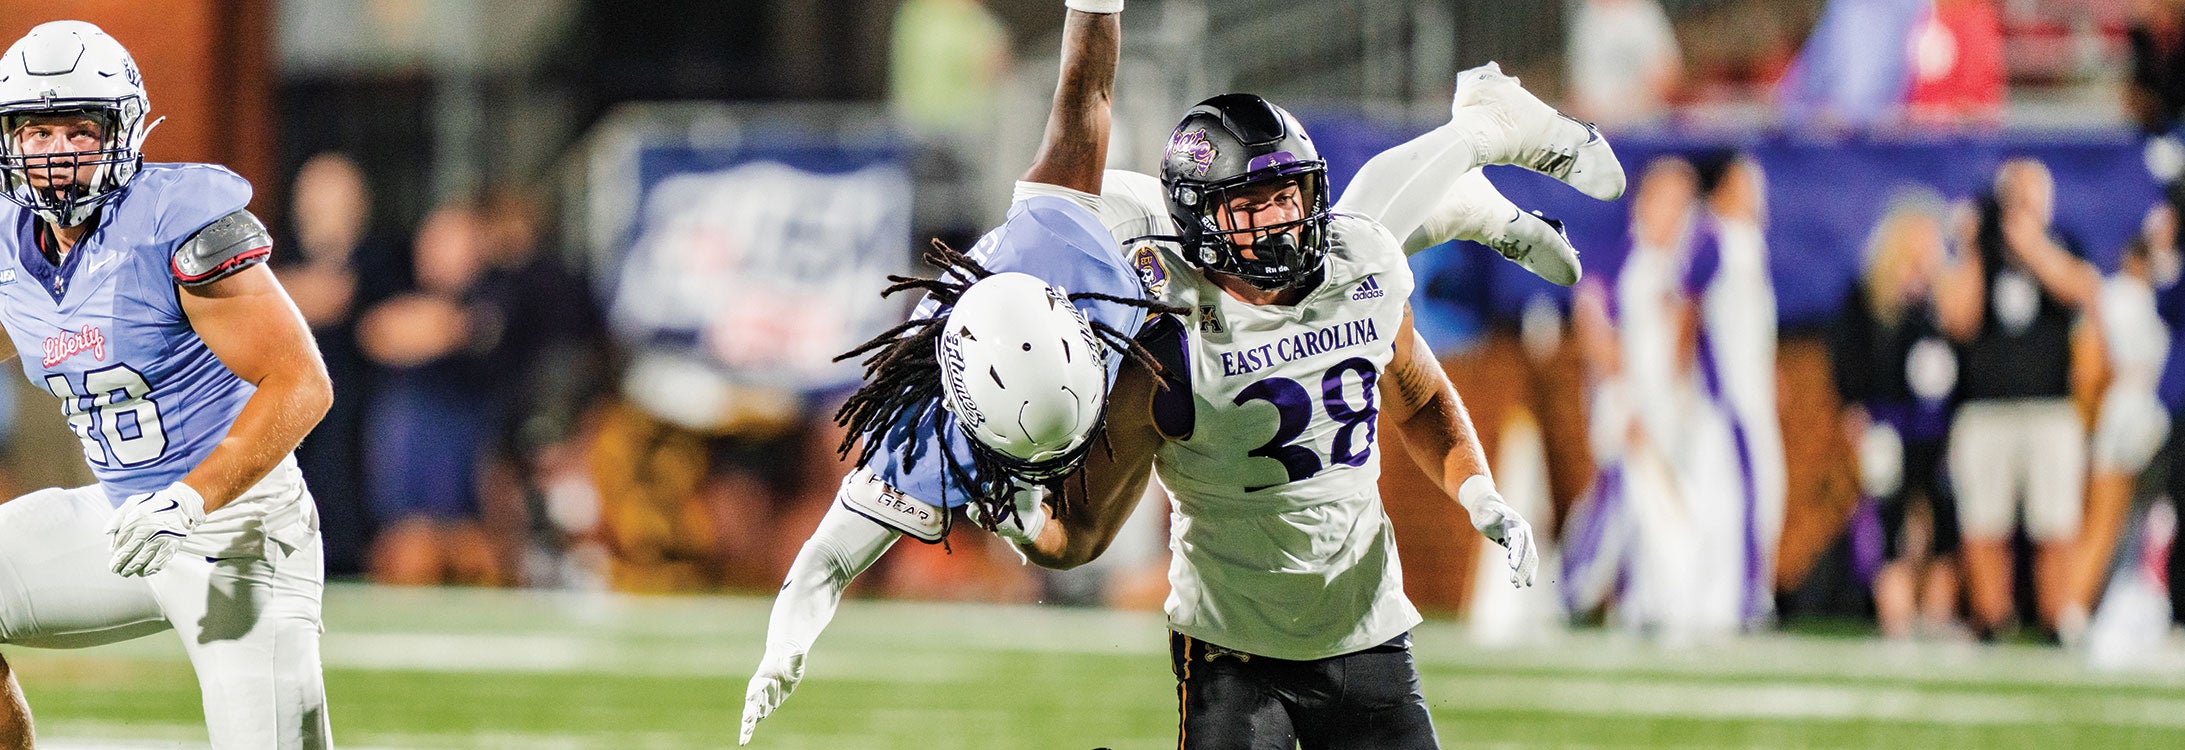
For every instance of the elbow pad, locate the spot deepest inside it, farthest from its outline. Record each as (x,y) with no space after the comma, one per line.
(230,244)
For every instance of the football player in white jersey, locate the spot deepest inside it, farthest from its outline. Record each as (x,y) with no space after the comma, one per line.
(1289,622)
(137,294)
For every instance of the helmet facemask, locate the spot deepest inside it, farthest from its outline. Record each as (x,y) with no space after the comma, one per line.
(94,176)
(65,72)
(1242,146)
(1270,257)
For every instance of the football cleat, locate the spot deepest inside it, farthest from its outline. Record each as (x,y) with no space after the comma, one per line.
(1538,137)
(1529,239)
(1539,244)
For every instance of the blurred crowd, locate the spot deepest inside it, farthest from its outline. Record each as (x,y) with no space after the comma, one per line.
(1978,438)
(1995,394)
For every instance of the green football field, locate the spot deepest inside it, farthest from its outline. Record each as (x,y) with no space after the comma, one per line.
(514,669)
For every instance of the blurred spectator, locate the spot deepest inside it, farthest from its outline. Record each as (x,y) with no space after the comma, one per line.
(553,361)
(1655,521)
(337,268)
(2157,93)
(1896,375)
(1856,66)
(2132,423)
(436,409)
(1625,66)
(1737,363)
(2009,303)
(1957,64)
(947,63)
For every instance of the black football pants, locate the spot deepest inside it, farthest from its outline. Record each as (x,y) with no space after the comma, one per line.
(1236,701)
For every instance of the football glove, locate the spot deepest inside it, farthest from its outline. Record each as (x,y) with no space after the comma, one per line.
(148,528)
(1027,515)
(1496,520)
(779,672)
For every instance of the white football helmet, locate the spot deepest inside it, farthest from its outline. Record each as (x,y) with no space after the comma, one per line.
(1024,375)
(71,67)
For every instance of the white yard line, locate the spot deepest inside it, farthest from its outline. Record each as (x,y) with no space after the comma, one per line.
(1796,701)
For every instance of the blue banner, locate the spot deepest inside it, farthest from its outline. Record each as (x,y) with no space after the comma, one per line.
(764,258)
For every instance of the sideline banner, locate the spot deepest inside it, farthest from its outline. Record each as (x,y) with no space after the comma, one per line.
(748,246)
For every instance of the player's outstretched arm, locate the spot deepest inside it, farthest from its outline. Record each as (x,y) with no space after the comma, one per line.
(844,545)
(1074,150)
(248,321)
(1424,406)
(1101,495)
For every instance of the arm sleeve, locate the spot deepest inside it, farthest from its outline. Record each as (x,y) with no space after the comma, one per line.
(1028,190)
(1130,204)
(192,197)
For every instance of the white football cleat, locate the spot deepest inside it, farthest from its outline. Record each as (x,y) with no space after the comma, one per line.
(1528,239)
(1539,244)
(1537,137)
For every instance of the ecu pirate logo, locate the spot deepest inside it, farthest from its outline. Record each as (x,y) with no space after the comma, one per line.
(1150,273)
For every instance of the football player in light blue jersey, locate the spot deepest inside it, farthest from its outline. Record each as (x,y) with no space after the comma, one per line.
(137,295)
(1008,335)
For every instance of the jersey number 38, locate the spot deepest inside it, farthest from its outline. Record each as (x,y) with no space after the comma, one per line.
(1294,407)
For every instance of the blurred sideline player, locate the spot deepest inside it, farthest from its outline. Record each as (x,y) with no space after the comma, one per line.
(1289,625)
(137,294)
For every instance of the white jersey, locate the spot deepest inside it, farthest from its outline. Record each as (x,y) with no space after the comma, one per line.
(1281,544)
(2132,423)
(1738,310)
(2137,341)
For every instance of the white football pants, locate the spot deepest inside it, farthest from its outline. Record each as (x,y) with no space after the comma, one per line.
(249,624)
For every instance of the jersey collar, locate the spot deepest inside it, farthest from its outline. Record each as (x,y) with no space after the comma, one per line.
(30,253)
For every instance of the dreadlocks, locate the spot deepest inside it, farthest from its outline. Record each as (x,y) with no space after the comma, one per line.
(903,384)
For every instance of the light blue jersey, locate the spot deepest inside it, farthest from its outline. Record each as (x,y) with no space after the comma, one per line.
(1059,242)
(104,331)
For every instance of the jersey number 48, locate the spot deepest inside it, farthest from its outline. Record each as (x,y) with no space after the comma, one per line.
(114,414)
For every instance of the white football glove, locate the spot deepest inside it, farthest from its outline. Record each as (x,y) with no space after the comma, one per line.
(1027,516)
(148,528)
(1496,520)
(779,672)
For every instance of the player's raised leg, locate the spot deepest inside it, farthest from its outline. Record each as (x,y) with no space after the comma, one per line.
(1474,210)
(1518,128)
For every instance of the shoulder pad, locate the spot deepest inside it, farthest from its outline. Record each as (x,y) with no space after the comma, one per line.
(229,244)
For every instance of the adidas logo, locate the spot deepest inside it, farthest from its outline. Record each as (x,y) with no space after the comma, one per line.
(1368,289)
